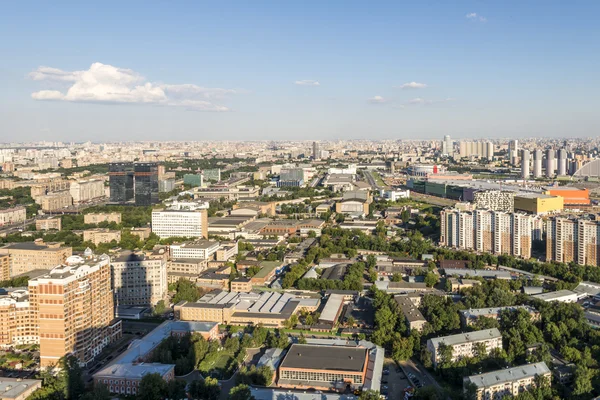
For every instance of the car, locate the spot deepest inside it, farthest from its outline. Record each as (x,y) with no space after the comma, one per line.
(384,387)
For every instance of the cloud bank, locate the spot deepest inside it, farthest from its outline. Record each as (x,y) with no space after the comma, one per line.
(103,83)
(475,17)
(377,100)
(413,85)
(307,82)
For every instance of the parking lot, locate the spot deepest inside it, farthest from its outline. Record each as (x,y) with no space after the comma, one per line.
(394,382)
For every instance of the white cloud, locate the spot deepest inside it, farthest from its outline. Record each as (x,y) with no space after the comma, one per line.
(307,82)
(475,17)
(413,85)
(422,101)
(104,83)
(377,100)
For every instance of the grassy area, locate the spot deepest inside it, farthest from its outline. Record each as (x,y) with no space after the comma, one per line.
(216,364)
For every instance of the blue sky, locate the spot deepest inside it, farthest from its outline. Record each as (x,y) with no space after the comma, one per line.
(233,70)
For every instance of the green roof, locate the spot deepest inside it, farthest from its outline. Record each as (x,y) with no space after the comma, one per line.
(267,268)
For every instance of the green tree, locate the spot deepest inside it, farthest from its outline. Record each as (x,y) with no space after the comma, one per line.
(187,291)
(99,392)
(240,392)
(207,389)
(582,384)
(369,395)
(160,308)
(431,279)
(152,387)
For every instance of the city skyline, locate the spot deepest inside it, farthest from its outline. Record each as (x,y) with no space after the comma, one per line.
(283,71)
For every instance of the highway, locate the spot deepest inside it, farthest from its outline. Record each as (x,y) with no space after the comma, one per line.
(371,180)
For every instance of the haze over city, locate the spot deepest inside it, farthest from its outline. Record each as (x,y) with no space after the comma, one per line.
(283,70)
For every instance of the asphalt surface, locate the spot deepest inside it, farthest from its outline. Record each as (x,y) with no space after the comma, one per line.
(395,381)
(419,372)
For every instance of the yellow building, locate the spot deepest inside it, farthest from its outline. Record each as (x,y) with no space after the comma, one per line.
(96,218)
(538,203)
(4,267)
(27,256)
(101,235)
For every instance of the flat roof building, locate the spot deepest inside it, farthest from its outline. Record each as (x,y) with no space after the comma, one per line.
(506,382)
(463,344)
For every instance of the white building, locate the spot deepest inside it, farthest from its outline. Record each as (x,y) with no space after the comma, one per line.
(463,344)
(506,382)
(139,279)
(201,249)
(394,195)
(170,223)
(13,215)
(87,190)
(562,296)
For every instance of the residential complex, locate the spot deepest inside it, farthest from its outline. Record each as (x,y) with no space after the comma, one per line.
(48,224)
(507,382)
(13,215)
(139,278)
(492,231)
(27,256)
(173,223)
(573,240)
(464,344)
(69,310)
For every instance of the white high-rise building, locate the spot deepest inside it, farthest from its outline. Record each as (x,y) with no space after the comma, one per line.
(448,146)
(525,164)
(513,151)
(550,163)
(171,223)
(562,162)
(537,164)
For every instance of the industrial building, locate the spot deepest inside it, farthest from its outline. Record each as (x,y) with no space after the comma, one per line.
(537,203)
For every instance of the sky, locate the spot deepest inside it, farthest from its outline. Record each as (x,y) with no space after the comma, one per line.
(285,70)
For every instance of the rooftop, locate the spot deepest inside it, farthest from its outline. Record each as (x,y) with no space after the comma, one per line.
(331,358)
(551,296)
(12,388)
(469,337)
(502,376)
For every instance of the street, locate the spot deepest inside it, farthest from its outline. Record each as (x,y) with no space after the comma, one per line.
(415,370)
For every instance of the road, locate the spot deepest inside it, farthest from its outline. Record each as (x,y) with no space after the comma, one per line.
(371,180)
(418,370)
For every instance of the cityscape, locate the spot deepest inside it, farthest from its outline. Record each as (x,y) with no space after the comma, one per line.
(299,201)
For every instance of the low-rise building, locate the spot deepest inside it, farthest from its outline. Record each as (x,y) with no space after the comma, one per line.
(562,296)
(180,223)
(535,203)
(413,317)
(55,201)
(142,233)
(189,268)
(17,388)
(463,344)
(227,251)
(27,256)
(241,284)
(470,316)
(354,203)
(211,279)
(14,215)
(124,374)
(458,284)
(48,224)
(506,382)
(96,218)
(200,249)
(101,235)
(267,272)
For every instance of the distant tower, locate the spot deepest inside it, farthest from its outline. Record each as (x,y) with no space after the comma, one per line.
(513,148)
(525,164)
(562,162)
(447,146)
(537,164)
(316,151)
(490,150)
(550,160)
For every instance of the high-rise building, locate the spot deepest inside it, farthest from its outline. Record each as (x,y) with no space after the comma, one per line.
(490,231)
(120,179)
(316,151)
(573,240)
(513,151)
(562,162)
(87,190)
(181,223)
(550,163)
(537,164)
(139,279)
(146,184)
(74,309)
(525,164)
(447,146)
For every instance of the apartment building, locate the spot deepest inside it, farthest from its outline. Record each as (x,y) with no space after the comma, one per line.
(502,383)
(27,256)
(55,201)
(171,223)
(139,279)
(74,307)
(85,191)
(48,224)
(201,249)
(4,267)
(189,269)
(573,240)
(463,344)
(43,188)
(18,322)
(101,235)
(13,215)
(96,218)
(490,231)
(470,316)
